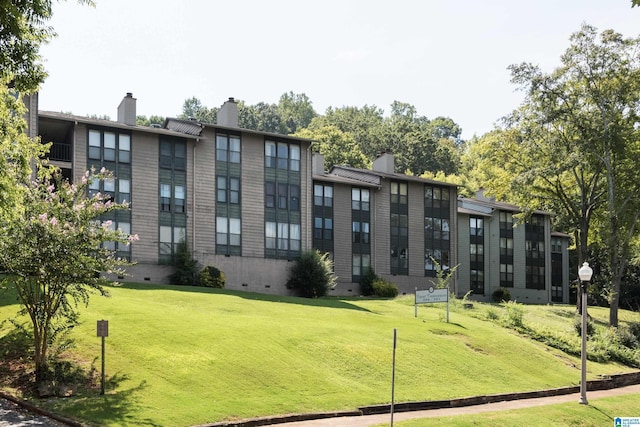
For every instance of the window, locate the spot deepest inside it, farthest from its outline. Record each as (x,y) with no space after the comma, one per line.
(436,197)
(172,181)
(284,238)
(476,226)
(170,237)
(360,232)
(165,197)
(287,197)
(506,246)
(535,252)
(124,190)
(399,192)
(506,275)
(228,148)
(476,252)
(282,155)
(506,220)
(270,194)
(434,258)
(228,190)
(360,263)
(228,233)
(323,195)
(323,217)
(437,228)
(109,146)
(360,199)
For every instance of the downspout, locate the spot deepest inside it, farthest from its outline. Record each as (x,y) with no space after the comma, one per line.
(309,200)
(193,209)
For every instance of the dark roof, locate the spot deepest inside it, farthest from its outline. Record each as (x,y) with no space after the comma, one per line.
(375,177)
(109,123)
(327,177)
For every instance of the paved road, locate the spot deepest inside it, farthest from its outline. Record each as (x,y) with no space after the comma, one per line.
(369,420)
(14,416)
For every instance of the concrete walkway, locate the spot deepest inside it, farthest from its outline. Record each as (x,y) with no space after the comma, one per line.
(13,415)
(369,420)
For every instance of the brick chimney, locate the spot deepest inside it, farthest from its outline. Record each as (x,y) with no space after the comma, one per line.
(228,114)
(127,110)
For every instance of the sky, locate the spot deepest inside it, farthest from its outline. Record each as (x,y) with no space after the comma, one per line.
(445,57)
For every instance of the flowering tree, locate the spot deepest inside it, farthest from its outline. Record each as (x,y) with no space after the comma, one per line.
(54,254)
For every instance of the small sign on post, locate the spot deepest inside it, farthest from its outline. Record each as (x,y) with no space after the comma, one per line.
(103,332)
(432,295)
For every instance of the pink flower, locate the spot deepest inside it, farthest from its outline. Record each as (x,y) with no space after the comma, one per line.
(107,223)
(103,170)
(51,188)
(54,221)
(84,180)
(133,238)
(43,217)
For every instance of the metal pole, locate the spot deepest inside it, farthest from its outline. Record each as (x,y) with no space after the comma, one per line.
(415,303)
(393,374)
(102,380)
(583,380)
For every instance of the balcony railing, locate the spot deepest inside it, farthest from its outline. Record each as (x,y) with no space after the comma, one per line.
(60,151)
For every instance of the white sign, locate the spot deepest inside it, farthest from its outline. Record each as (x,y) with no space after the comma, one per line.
(627,422)
(432,295)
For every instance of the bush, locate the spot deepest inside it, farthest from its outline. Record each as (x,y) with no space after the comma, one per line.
(312,274)
(514,315)
(384,288)
(501,295)
(211,277)
(186,267)
(577,325)
(366,282)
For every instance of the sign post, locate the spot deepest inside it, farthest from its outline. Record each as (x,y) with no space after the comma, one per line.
(393,373)
(432,295)
(103,332)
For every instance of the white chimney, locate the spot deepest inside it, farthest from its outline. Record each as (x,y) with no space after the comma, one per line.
(384,163)
(127,110)
(228,114)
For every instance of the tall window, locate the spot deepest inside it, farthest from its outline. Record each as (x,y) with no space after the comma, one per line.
(172,197)
(360,232)
(111,149)
(228,194)
(282,199)
(557,288)
(323,217)
(399,228)
(437,229)
(535,252)
(506,249)
(476,254)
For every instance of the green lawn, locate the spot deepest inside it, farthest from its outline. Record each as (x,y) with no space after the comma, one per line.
(179,356)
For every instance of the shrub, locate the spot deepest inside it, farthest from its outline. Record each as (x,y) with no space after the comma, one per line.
(501,295)
(186,267)
(514,315)
(384,288)
(366,282)
(211,277)
(312,274)
(577,325)
(492,314)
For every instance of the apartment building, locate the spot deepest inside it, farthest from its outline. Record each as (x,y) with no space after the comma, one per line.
(250,202)
(499,250)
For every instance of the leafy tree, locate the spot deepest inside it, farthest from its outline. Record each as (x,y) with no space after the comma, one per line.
(338,147)
(296,111)
(55,255)
(152,120)
(312,274)
(571,147)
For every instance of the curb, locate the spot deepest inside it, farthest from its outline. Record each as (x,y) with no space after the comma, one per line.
(40,411)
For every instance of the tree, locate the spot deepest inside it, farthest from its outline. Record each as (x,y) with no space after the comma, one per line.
(312,274)
(56,254)
(571,147)
(338,147)
(152,120)
(296,111)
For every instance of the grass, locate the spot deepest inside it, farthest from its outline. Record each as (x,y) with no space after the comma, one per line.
(599,412)
(179,356)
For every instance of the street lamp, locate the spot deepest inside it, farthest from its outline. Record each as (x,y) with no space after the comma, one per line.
(584,274)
